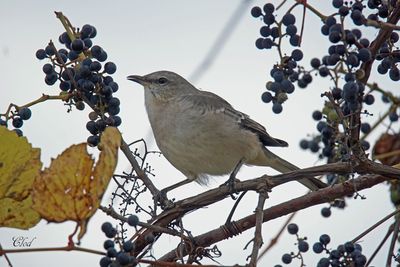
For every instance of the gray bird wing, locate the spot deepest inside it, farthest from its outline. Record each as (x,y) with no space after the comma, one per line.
(210,102)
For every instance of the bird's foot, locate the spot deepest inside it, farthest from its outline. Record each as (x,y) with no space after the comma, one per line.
(162,200)
(231,184)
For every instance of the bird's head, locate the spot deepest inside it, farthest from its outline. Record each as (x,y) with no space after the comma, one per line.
(163,84)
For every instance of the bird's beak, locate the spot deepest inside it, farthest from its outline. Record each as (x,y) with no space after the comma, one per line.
(139,79)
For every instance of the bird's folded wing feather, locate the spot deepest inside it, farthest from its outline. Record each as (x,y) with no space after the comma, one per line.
(207,102)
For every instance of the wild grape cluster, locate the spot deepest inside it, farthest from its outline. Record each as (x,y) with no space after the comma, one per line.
(349,52)
(80,72)
(118,256)
(347,254)
(344,64)
(286,72)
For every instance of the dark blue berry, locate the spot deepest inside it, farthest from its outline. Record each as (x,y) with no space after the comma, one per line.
(304,144)
(303,246)
(317,115)
(47,68)
(297,54)
(133,220)
(112,252)
(337,3)
(17,122)
(349,247)
(369,99)
(128,246)
(41,54)
(294,40)
(256,11)
(324,262)
(86,31)
(314,146)
(288,19)
(324,239)
(265,31)
(315,63)
(269,19)
(114,121)
(326,212)
(286,258)
(50,51)
(394,73)
(330,21)
(110,68)
(106,226)
(266,97)
(123,258)
(393,116)
(105,262)
(365,127)
(318,247)
(77,45)
(291,30)
(364,54)
(108,244)
(269,8)
(93,141)
(51,78)
(344,11)
(292,228)
(25,113)
(277,108)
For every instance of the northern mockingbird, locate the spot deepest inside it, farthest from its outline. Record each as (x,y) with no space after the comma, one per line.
(201,134)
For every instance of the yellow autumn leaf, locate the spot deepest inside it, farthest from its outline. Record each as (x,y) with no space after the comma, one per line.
(19,165)
(18,214)
(71,188)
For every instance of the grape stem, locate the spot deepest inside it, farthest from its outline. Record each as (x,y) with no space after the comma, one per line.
(111,212)
(63,97)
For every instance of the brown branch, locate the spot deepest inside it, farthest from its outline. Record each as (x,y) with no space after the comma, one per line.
(174,264)
(296,204)
(258,240)
(214,195)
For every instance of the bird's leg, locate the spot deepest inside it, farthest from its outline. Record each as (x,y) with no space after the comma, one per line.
(172,187)
(162,195)
(231,181)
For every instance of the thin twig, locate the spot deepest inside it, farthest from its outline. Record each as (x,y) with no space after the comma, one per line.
(229,219)
(375,225)
(111,212)
(393,242)
(66,248)
(277,236)
(389,232)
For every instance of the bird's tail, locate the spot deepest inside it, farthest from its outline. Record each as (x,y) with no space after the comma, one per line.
(282,166)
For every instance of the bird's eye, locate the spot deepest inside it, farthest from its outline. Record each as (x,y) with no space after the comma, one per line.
(162,80)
